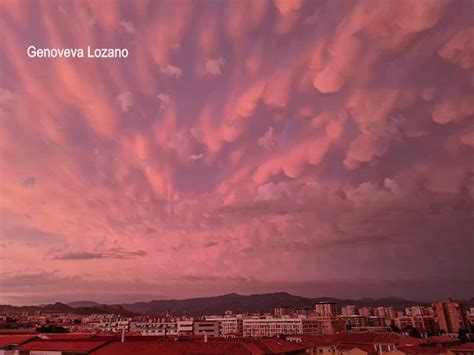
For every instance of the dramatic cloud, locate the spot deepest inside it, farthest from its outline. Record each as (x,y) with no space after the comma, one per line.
(165,101)
(128,27)
(125,100)
(110,254)
(172,71)
(215,66)
(269,140)
(316,147)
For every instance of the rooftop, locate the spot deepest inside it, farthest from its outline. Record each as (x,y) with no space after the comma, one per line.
(178,348)
(15,340)
(63,345)
(463,347)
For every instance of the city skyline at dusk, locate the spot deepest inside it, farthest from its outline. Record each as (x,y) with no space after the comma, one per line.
(321,148)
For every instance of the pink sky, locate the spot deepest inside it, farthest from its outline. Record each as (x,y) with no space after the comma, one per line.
(323,148)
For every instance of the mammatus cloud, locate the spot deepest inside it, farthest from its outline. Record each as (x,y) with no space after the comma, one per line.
(165,101)
(171,71)
(128,27)
(309,142)
(125,101)
(269,140)
(214,66)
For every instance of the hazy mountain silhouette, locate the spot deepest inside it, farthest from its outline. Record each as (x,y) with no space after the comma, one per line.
(83,304)
(253,304)
(59,307)
(257,303)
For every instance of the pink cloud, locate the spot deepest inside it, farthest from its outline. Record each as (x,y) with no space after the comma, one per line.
(323,131)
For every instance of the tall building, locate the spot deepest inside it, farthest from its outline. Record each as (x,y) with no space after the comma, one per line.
(366,312)
(451,316)
(303,311)
(349,311)
(325,309)
(281,311)
(355,321)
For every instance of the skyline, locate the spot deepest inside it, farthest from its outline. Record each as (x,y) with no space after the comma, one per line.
(368,302)
(322,148)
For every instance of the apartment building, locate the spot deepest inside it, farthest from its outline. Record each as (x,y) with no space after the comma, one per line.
(268,327)
(163,328)
(325,309)
(228,326)
(451,316)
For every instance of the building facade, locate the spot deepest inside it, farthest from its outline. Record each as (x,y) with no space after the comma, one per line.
(269,327)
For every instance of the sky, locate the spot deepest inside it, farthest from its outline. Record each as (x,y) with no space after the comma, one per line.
(322,148)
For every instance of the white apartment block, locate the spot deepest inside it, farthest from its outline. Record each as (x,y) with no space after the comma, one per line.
(269,327)
(116,326)
(163,328)
(228,325)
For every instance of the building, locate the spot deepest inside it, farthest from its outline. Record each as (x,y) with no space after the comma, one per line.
(349,311)
(281,311)
(312,326)
(211,347)
(269,327)
(418,350)
(463,349)
(316,345)
(9,344)
(144,345)
(451,316)
(56,347)
(163,328)
(344,349)
(387,313)
(366,312)
(418,311)
(228,326)
(353,321)
(331,326)
(111,326)
(375,321)
(211,328)
(303,311)
(323,325)
(405,322)
(326,309)
(442,341)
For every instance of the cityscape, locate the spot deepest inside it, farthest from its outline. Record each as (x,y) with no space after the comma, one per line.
(236,177)
(444,327)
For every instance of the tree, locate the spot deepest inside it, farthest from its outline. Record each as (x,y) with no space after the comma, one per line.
(463,335)
(395,328)
(51,329)
(415,333)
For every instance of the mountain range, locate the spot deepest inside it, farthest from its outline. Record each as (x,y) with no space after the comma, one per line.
(257,303)
(59,307)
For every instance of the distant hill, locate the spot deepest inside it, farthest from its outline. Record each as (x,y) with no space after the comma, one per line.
(83,304)
(253,304)
(214,305)
(220,304)
(59,307)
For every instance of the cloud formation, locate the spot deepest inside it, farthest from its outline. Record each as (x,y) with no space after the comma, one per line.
(260,146)
(172,71)
(215,66)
